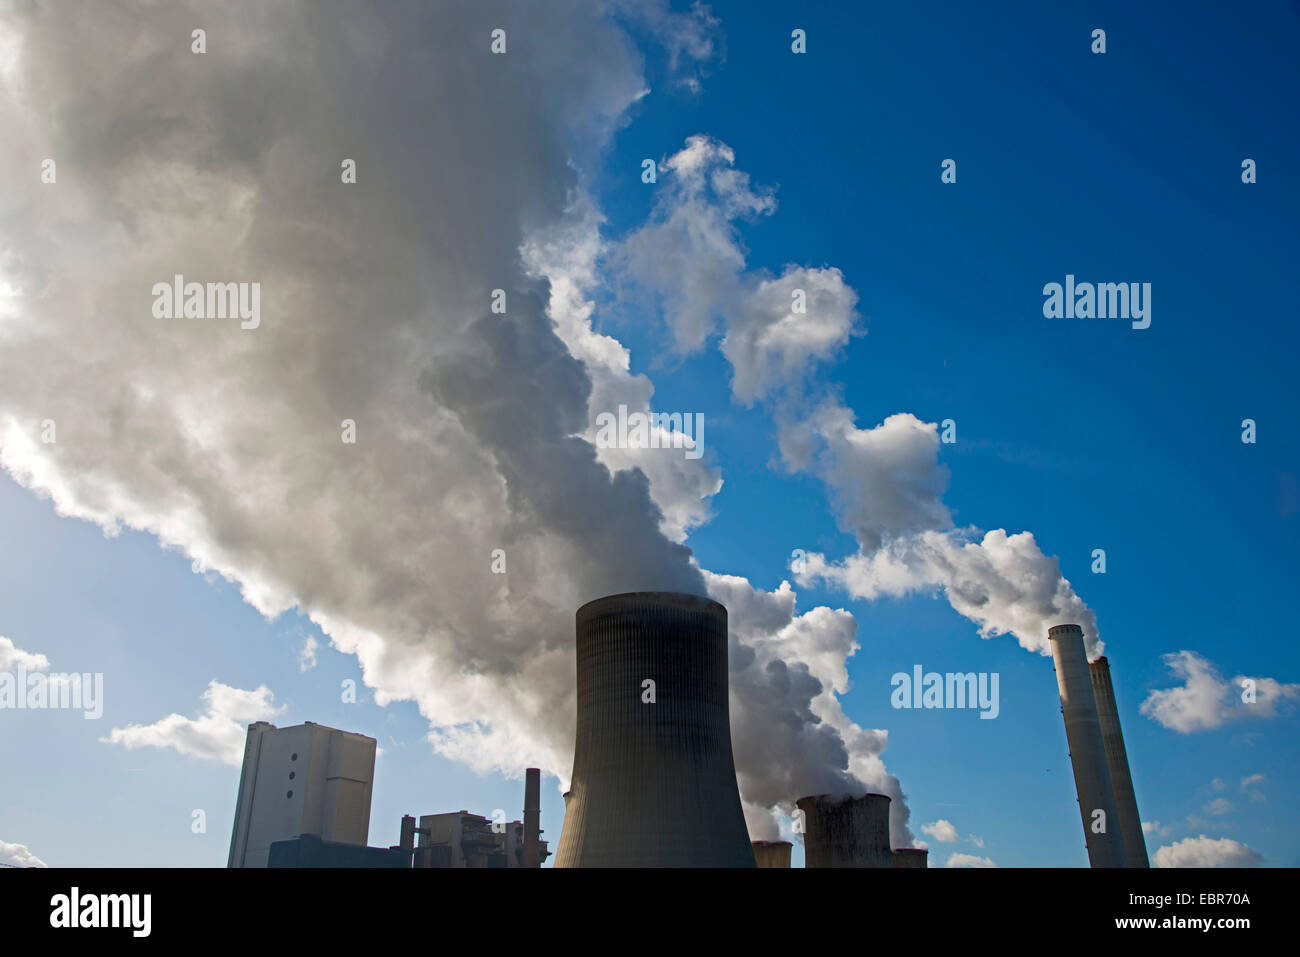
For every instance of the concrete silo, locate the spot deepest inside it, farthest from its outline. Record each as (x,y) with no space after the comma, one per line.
(845,831)
(1087,755)
(911,857)
(654,780)
(1121,780)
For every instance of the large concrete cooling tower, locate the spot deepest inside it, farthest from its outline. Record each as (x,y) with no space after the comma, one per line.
(1083,734)
(654,781)
(842,831)
(1121,781)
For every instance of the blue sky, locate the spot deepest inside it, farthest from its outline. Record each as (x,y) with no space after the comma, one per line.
(1117,167)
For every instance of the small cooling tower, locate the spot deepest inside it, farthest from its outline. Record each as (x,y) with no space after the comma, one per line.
(912,857)
(654,781)
(843,831)
(772,853)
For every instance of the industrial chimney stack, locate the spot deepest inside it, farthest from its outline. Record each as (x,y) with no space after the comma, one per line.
(532,817)
(654,779)
(1087,754)
(1121,781)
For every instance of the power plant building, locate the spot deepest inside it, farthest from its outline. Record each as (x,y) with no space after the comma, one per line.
(654,779)
(307,779)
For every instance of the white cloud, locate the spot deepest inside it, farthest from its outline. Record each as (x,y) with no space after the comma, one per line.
(969,860)
(1156,829)
(217,734)
(1206,852)
(977,841)
(17,855)
(941,830)
(1205,701)
(1250,785)
(1218,807)
(12,657)
(307,654)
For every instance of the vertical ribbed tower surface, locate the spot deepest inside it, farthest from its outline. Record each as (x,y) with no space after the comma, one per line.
(654,783)
(912,857)
(844,831)
(1087,755)
(774,854)
(1121,779)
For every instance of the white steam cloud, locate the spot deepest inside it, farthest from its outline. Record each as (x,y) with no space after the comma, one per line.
(471,427)
(886,482)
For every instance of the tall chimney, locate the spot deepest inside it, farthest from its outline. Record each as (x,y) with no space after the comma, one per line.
(532,817)
(1087,755)
(654,779)
(1121,781)
(843,831)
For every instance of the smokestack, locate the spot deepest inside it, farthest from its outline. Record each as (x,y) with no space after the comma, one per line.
(911,857)
(772,853)
(843,831)
(1087,755)
(532,817)
(654,780)
(1121,781)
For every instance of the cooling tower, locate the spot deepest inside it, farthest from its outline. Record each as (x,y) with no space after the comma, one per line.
(1087,755)
(772,853)
(842,831)
(1121,781)
(912,857)
(654,781)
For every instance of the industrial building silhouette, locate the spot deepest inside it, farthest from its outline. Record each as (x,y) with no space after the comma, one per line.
(654,779)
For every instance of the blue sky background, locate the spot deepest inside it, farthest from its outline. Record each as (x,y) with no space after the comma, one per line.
(1122,167)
